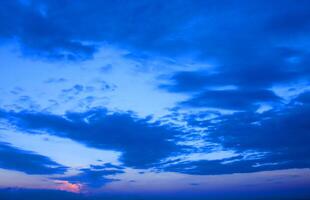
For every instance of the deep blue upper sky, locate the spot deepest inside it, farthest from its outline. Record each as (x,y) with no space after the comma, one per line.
(155,98)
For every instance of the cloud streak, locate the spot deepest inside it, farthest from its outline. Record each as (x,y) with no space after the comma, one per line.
(28,162)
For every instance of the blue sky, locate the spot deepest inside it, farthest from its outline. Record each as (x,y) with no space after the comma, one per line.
(155,98)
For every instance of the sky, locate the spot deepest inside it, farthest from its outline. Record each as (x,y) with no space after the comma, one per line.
(154,99)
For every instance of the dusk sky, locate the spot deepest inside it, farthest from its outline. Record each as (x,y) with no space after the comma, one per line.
(149,99)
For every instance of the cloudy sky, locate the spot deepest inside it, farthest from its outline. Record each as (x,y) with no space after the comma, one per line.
(155,98)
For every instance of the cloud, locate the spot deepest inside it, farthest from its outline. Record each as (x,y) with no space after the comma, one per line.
(208,29)
(275,139)
(95,176)
(142,143)
(106,165)
(285,130)
(304,98)
(28,162)
(249,77)
(67,186)
(55,80)
(38,35)
(231,99)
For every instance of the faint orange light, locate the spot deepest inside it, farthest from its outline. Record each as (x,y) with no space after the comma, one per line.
(67,186)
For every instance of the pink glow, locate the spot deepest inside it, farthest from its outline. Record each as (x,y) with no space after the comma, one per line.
(67,186)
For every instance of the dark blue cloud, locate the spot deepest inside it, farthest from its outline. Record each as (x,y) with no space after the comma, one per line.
(74,90)
(252,79)
(142,143)
(271,67)
(217,30)
(55,80)
(95,176)
(270,131)
(249,77)
(28,162)
(218,167)
(304,98)
(37,34)
(231,99)
(107,165)
(279,138)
